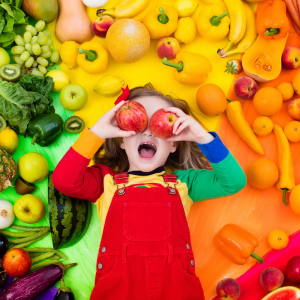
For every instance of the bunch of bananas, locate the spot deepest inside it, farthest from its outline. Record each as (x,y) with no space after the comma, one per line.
(242,28)
(135,9)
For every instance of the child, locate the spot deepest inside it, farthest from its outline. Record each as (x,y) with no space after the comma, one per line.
(145,250)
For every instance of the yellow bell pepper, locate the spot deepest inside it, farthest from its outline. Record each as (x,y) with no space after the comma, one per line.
(92,57)
(190,68)
(186,30)
(286,180)
(161,22)
(68,53)
(213,23)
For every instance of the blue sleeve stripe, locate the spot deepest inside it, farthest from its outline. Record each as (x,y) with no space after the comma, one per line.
(215,151)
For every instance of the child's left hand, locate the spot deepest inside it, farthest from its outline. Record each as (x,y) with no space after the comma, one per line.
(186,128)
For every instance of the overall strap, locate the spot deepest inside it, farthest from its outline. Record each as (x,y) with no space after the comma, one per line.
(121,179)
(173,179)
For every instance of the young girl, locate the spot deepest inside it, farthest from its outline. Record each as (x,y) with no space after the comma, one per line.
(145,251)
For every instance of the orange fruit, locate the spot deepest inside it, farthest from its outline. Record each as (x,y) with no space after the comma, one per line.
(211,99)
(292,131)
(278,239)
(262,173)
(286,89)
(268,101)
(295,199)
(127,40)
(296,83)
(262,126)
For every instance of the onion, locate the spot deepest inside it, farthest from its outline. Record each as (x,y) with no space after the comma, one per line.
(7,215)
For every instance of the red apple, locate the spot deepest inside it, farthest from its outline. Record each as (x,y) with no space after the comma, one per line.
(228,289)
(245,88)
(167,47)
(294,109)
(161,123)
(100,25)
(132,116)
(292,271)
(291,57)
(271,279)
(16,262)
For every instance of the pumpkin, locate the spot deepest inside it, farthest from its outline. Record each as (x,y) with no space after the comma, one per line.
(73,23)
(262,61)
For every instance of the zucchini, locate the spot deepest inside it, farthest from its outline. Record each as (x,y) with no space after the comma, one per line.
(69,217)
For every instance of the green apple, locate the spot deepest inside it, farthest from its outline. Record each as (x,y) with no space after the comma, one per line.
(73,97)
(4,57)
(33,167)
(29,209)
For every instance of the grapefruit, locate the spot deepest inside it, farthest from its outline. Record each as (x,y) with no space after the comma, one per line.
(127,40)
(284,293)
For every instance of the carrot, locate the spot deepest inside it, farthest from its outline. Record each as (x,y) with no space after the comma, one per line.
(296,7)
(292,11)
(297,29)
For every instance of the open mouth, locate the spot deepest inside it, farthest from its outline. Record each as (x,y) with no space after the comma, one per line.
(147,150)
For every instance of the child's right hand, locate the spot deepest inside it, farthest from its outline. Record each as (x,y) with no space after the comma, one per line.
(107,127)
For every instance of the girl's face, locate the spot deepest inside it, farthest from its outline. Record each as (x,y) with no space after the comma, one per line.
(145,151)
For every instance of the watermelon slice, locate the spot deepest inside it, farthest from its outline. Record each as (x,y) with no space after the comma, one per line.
(284,293)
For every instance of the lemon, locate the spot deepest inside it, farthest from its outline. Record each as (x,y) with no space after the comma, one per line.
(9,140)
(60,78)
(109,85)
(185,8)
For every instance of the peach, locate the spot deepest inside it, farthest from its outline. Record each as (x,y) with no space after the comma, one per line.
(245,88)
(228,289)
(167,47)
(271,279)
(101,25)
(291,57)
(294,109)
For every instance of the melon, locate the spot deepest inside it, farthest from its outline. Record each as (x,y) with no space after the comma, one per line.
(284,293)
(127,40)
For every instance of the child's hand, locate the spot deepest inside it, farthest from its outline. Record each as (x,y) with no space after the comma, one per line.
(107,127)
(186,128)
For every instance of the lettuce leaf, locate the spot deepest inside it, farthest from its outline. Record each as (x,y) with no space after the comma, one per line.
(18,106)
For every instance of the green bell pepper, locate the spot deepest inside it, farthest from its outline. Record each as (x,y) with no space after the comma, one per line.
(45,129)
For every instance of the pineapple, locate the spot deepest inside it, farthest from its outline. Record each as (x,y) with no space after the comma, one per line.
(8,169)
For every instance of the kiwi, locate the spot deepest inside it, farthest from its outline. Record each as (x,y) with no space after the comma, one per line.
(10,72)
(2,123)
(74,124)
(23,187)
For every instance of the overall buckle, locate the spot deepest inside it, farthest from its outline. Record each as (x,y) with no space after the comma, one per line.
(121,179)
(171,178)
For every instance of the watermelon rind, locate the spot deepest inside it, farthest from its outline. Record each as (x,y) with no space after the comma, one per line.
(272,295)
(69,217)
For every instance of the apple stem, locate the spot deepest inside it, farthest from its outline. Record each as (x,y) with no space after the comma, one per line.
(178,66)
(271,31)
(162,17)
(259,259)
(216,21)
(283,197)
(229,100)
(90,55)
(35,137)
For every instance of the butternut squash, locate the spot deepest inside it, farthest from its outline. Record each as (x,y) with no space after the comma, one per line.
(73,23)
(262,61)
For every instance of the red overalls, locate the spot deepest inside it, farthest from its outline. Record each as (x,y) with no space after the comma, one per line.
(145,251)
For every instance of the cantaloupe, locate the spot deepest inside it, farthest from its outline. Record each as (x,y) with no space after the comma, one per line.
(127,40)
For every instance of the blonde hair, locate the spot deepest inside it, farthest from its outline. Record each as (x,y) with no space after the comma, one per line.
(187,155)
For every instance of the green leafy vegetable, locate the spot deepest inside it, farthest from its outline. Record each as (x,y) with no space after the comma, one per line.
(19,102)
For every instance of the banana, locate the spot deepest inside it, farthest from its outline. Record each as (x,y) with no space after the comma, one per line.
(128,10)
(237,16)
(250,35)
(216,2)
(141,16)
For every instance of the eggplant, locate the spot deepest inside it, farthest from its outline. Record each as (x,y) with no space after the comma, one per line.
(32,285)
(64,293)
(3,274)
(3,244)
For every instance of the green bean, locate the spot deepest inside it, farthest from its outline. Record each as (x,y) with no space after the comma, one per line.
(34,254)
(42,257)
(17,234)
(56,257)
(25,228)
(43,264)
(23,245)
(31,237)
(38,249)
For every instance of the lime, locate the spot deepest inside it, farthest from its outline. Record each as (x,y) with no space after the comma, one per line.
(60,78)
